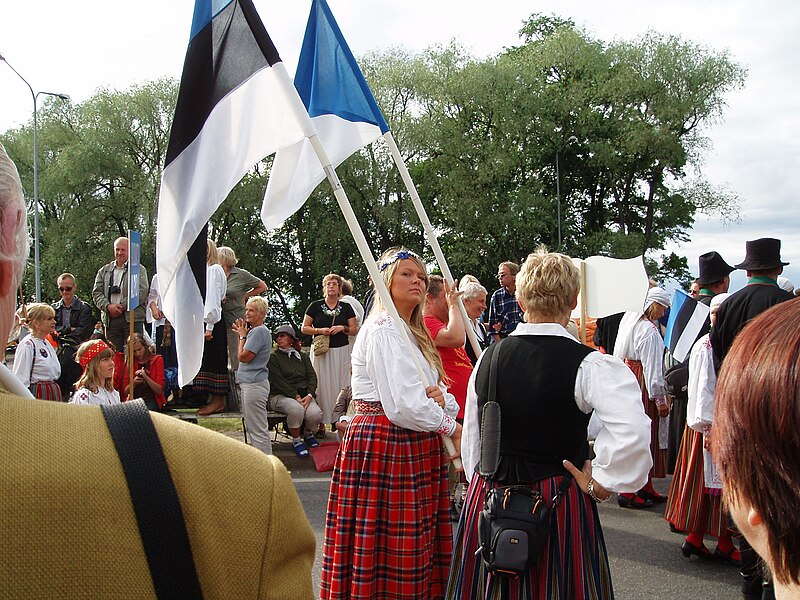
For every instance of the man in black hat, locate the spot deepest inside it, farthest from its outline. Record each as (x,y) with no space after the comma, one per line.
(763,265)
(714,279)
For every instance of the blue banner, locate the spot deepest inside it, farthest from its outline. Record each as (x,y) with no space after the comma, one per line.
(134,268)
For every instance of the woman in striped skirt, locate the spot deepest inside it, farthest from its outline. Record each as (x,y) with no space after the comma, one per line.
(641,346)
(547,386)
(388,534)
(35,362)
(695,495)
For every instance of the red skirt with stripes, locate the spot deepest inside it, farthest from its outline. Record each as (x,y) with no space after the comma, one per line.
(692,507)
(388,534)
(46,390)
(574,563)
(659,469)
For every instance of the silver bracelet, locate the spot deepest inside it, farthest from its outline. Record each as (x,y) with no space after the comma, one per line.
(592,495)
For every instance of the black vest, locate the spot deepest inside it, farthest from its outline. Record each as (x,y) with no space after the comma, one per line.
(540,423)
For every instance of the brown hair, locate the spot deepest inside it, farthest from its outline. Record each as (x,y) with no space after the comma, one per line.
(90,378)
(756,420)
(138,337)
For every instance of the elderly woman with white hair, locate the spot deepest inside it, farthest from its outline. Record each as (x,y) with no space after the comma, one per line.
(474,298)
(547,385)
(640,345)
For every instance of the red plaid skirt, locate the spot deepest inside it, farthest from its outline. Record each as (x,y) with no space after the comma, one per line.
(574,563)
(691,506)
(387,534)
(659,469)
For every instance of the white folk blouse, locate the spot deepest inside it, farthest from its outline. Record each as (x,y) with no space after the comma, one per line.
(702,385)
(45,366)
(384,371)
(216,288)
(605,385)
(99,398)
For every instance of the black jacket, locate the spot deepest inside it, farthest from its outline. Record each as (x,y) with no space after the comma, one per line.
(81,322)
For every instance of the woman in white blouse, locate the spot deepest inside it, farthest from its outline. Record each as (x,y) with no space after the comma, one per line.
(388,533)
(35,362)
(213,376)
(548,384)
(640,345)
(474,298)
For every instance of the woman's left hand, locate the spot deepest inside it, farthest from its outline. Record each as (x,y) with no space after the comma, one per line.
(208,335)
(583,476)
(336,329)
(434,393)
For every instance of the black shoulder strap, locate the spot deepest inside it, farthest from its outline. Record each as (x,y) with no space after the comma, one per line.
(155,501)
(492,396)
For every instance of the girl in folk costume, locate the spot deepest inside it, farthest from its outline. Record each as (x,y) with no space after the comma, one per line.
(695,495)
(148,374)
(547,385)
(640,345)
(96,385)
(36,363)
(388,531)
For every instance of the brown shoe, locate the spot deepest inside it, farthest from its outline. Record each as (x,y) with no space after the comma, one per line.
(215,406)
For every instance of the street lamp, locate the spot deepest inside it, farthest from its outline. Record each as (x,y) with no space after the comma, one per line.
(36,262)
(570,140)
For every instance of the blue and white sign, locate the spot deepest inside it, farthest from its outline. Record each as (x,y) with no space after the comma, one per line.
(134,268)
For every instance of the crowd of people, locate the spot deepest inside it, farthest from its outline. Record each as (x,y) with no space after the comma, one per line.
(580,421)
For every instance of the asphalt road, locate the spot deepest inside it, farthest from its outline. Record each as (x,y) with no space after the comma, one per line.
(646,560)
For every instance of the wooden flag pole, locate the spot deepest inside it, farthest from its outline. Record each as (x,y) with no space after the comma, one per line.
(584,311)
(130,355)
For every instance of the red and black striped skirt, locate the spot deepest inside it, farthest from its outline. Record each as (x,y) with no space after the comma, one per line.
(659,469)
(574,562)
(387,534)
(692,507)
(46,390)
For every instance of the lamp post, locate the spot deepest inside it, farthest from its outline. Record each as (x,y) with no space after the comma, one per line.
(36,262)
(570,140)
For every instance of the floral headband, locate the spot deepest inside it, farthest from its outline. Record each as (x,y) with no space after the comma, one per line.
(401,255)
(92,352)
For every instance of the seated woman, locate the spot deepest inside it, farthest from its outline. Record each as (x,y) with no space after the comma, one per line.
(148,374)
(96,385)
(293,386)
(255,343)
(548,384)
(755,443)
(35,362)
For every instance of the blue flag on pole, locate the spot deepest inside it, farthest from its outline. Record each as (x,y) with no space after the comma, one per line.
(686,319)
(342,108)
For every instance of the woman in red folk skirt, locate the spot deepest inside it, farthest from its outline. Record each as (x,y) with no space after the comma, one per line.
(641,346)
(695,496)
(388,534)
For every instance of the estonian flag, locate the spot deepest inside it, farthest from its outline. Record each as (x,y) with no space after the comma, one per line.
(686,319)
(341,106)
(236,105)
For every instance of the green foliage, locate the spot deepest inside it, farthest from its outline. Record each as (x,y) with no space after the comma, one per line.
(623,121)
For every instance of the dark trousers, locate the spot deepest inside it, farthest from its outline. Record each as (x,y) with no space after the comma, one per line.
(118,329)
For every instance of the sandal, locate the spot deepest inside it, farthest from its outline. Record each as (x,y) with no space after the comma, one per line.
(300,449)
(311,441)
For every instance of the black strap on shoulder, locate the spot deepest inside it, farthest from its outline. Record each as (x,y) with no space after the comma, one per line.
(155,501)
(492,397)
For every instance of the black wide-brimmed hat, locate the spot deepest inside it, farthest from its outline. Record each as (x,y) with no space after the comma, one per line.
(713,268)
(762,254)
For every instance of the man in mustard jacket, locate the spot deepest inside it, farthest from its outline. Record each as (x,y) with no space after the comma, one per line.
(67,521)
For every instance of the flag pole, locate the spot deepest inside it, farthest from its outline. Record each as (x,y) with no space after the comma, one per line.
(369,261)
(584,310)
(433,240)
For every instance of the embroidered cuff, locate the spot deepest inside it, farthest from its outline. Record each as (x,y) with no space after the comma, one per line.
(706,429)
(448,425)
(660,401)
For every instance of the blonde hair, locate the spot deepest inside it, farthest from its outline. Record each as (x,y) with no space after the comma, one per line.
(90,378)
(471,287)
(212,255)
(334,277)
(546,284)
(39,311)
(416,323)
(138,337)
(260,303)
(652,310)
(64,276)
(226,256)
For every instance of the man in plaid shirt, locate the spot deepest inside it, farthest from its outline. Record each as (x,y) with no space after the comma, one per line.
(504,311)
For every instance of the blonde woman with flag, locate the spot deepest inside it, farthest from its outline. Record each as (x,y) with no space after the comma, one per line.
(388,531)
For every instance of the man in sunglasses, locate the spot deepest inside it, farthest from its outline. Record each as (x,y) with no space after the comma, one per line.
(74,325)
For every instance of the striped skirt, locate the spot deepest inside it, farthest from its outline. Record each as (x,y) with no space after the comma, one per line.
(574,563)
(659,469)
(213,376)
(387,533)
(691,506)
(46,390)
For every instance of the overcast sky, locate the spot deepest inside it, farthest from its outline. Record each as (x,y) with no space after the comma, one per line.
(77,47)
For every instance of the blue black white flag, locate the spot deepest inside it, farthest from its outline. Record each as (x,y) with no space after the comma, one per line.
(236,105)
(686,319)
(341,106)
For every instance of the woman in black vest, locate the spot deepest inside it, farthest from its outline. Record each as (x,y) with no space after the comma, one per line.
(548,384)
